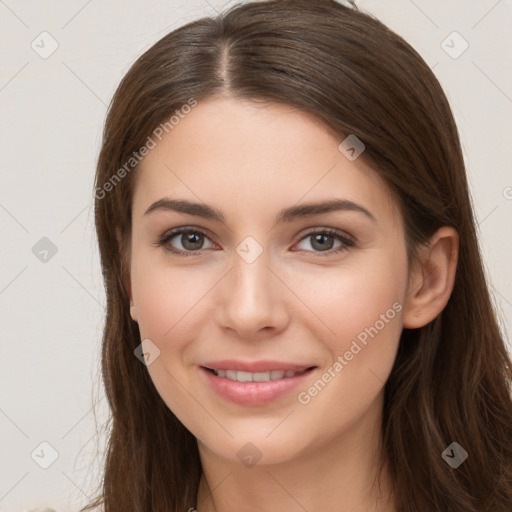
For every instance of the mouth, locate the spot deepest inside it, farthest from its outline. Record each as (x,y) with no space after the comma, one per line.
(255,388)
(243,376)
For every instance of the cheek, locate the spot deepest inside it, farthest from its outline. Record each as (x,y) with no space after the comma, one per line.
(362,308)
(350,300)
(166,300)
(167,303)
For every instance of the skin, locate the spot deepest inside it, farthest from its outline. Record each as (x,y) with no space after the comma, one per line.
(295,302)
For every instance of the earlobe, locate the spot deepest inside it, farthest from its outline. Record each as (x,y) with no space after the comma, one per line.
(432,281)
(133,307)
(133,312)
(125,271)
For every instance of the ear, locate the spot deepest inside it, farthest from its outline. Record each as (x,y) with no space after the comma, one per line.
(125,269)
(431,282)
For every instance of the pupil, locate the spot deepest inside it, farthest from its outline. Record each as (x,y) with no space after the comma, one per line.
(318,239)
(189,239)
(195,238)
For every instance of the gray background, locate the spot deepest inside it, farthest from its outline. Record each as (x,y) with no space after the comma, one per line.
(52,113)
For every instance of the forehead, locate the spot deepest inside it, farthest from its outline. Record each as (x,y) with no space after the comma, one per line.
(236,154)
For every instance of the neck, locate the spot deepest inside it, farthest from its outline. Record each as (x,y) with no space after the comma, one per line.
(340,474)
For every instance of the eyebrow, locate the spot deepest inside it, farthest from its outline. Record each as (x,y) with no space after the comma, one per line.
(286,215)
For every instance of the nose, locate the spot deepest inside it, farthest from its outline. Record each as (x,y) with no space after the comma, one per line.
(251,298)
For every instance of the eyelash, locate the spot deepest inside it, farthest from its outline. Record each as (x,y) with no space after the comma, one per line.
(347,242)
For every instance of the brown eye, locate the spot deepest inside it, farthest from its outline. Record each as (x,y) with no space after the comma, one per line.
(322,241)
(191,241)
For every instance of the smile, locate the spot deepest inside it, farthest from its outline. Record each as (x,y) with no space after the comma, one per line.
(242,376)
(256,388)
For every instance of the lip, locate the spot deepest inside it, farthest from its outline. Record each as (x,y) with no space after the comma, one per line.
(255,393)
(255,366)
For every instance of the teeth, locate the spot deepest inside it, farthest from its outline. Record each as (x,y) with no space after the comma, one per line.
(261,377)
(256,377)
(244,376)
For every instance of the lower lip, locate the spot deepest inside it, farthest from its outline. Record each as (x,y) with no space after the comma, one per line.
(253,393)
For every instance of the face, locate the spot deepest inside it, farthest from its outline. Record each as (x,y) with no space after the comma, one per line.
(315,293)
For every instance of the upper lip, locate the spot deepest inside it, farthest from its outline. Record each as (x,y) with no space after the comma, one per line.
(255,366)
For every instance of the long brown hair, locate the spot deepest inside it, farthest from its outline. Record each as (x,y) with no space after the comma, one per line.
(451,381)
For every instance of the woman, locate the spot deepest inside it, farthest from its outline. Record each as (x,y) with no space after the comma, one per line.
(297,311)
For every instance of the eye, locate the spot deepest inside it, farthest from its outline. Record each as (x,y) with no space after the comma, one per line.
(322,240)
(192,241)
